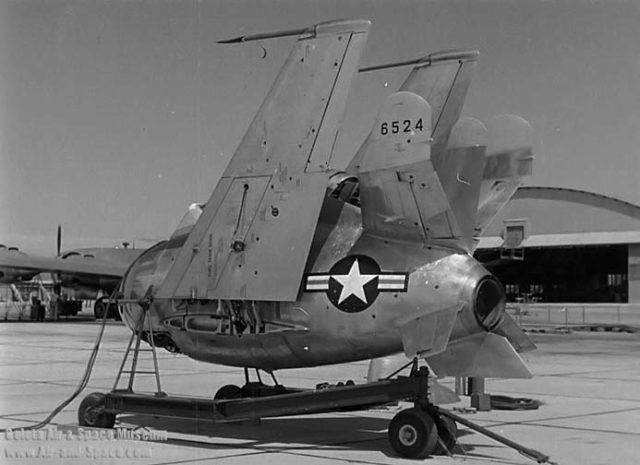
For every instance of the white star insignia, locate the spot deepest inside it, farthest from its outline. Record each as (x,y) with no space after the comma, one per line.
(353,283)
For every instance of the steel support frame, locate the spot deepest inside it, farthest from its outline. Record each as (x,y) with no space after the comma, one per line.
(412,388)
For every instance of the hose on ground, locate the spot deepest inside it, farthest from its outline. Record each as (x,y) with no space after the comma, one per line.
(85,377)
(513,403)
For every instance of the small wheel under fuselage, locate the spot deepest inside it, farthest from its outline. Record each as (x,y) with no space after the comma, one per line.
(102,305)
(230,391)
(99,307)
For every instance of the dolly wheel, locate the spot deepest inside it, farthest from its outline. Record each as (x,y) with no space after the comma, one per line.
(91,412)
(413,433)
(99,307)
(230,391)
(448,435)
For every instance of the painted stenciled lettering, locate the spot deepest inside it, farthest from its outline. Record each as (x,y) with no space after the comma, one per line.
(401,126)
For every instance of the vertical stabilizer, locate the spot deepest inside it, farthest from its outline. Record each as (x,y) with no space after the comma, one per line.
(443,81)
(265,207)
(509,161)
(460,173)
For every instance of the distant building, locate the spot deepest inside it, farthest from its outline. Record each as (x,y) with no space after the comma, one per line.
(581,247)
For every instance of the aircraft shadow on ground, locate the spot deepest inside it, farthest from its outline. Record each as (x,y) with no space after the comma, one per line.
(280,434)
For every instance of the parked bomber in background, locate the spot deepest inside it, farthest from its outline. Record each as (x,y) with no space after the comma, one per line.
(86,273)
(291,263)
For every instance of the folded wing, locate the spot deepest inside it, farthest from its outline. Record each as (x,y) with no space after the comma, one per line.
(271,193)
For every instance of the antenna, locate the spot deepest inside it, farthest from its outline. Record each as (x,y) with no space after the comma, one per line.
(266,35)
(59,240)
(460,55)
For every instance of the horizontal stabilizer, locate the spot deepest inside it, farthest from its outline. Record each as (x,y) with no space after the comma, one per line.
(266,205)
(428,334)
(514,333)
(483,355)
(509,160)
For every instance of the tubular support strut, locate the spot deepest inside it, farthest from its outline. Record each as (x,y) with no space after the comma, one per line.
(532,454)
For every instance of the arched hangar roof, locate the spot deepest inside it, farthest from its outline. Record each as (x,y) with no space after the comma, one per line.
(560,216)
(581,197)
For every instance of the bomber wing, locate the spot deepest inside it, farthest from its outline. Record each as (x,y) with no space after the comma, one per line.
(103,272)
(26,264)
(265,208)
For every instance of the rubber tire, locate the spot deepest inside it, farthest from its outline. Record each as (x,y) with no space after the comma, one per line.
(420,424)
(230,391)
(87,418)
(99,307)
(448,435)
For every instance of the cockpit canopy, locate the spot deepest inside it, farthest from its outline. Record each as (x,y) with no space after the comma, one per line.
(188,220)
(345,187)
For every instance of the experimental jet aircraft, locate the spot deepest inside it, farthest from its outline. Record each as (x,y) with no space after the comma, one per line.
(294,264)
(291,263)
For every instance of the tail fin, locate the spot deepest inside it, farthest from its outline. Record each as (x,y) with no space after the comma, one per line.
(460,172)
(509,160)
(401,194)
(456,186)
(443,174)
(457,147)
(443,81)
(276,178)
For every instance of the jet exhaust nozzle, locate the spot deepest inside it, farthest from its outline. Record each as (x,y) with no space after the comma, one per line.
(490,301)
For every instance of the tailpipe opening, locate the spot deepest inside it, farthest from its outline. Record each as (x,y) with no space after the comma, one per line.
(489,303)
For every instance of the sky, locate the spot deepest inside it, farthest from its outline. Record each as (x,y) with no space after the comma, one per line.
(116,115)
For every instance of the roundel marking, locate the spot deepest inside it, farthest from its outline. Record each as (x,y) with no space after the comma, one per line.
(354,283)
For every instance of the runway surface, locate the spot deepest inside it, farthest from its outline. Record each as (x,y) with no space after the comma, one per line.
(588,383)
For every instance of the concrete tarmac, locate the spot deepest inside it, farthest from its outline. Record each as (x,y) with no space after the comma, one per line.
(588,384)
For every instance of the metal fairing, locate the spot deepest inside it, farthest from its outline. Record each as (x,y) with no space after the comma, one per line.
(312,331)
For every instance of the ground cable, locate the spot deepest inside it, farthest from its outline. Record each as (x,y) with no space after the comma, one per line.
(85,377)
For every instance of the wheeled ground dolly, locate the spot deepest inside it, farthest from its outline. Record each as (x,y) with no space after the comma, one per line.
(416,432)
(413,432)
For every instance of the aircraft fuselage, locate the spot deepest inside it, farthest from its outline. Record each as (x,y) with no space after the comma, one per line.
(355,291)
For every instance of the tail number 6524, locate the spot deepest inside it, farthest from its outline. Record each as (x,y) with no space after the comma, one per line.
(396,127)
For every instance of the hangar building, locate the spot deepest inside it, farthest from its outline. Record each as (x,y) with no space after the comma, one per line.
(580,247)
